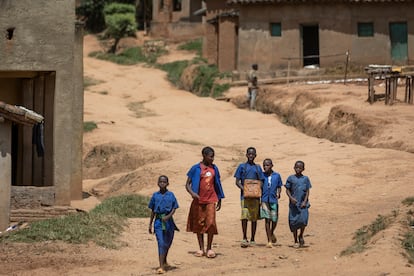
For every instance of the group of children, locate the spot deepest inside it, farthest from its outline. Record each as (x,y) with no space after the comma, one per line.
(204,185)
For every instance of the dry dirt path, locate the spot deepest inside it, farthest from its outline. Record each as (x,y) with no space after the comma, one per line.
(351,184)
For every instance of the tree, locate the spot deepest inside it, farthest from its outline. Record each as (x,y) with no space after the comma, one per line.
(120,22)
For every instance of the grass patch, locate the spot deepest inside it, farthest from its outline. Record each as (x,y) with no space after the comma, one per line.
(408,201)
(88,126)
(195,45)
(204,83)
(139,110)
(101,225)
(408,239)
(128,57)
(88,81)
(363,235)
(174,70)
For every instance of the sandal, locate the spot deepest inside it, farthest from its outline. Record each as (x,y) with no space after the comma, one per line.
(160,271)
(244,243)
(211,254)
(269,245)
(199,253)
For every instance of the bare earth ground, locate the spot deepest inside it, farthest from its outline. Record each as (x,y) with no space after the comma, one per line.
(146,127)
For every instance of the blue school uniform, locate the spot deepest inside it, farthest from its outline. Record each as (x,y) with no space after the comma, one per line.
(195,175)
(161,205)
(248,171)
(269,188)
(298,186)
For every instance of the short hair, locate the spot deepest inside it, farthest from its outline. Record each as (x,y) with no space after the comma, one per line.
(163,176)
(251,148)
(268,159)
(299,161)
(207,150)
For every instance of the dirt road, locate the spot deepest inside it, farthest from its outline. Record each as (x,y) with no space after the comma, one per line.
(140,114)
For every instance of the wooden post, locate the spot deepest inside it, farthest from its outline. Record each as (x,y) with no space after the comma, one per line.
(346,66)
(5,174)
(410,96)
(371,91)
(387,89)
(288,72)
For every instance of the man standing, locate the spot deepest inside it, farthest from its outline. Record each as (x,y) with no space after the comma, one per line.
(252,86)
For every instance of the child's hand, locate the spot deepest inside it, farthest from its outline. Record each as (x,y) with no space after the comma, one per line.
(195,196)
(303,205)
(293,201)
(150,229)
(218,207)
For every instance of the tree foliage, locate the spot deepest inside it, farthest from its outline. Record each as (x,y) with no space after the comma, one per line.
(120,22)
(92,12)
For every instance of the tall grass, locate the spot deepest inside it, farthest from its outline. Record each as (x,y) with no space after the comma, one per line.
(101,225)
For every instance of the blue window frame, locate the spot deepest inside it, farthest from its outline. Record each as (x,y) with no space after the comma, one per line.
(365,29)
(275,29)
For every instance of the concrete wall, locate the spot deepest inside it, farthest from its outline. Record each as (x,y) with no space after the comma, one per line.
(227,46)
(43,40)
(220,41)
(337,33)
(5,173)
(178,25)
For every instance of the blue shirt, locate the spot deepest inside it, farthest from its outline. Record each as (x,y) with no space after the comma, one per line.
(298,186)
(269,189)
(195,175)
(163,203)
(248,171)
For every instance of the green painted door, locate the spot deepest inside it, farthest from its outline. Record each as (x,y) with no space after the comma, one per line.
(398,37)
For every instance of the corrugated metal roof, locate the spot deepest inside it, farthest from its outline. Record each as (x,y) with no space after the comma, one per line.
(312,1)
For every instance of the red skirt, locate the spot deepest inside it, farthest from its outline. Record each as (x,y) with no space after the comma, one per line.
(202,218)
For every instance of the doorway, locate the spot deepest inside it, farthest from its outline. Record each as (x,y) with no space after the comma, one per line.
(310,44)
(399,38)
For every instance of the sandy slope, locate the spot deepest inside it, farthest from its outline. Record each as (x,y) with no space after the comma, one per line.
(167,127)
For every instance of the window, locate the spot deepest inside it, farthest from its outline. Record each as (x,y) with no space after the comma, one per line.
(176,5)
(275,29)
(365,29)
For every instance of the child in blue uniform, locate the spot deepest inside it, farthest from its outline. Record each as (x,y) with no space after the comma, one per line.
(163,204)
(269,208)
(250,206)
(297,189)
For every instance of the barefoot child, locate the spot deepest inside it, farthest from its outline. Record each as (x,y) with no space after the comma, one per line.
(269,208)
(163,204)
(249,206)
(204,186)
(297,189)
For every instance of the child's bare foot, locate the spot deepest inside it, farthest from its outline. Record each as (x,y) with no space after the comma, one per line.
(160,270)
(199,253)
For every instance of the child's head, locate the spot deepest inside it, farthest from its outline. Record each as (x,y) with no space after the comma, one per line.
(208,155)
(267,165)
(299,167)
(255,66)
(250,154)
(162,182)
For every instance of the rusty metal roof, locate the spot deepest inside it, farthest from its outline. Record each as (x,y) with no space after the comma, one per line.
(312,1)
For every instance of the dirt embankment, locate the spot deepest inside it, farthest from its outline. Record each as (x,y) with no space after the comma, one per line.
(338,113)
